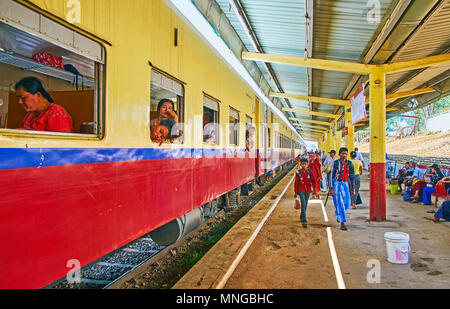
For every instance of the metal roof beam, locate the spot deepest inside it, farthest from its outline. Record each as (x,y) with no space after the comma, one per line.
(405,94)
(308,127)
(310,98)
(311,126)
(312,130)
(306,112)
(350,67)
(321,64)
(390,97)
(310,121)
(409,65)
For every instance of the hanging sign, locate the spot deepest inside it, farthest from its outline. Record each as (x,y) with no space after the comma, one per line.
(358,105)
(340,124)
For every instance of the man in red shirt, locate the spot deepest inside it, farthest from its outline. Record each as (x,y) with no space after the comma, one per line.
(343,172)
(42,113)
(303,187)
(316,170)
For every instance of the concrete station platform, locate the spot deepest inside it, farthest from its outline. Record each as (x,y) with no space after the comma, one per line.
(285,256)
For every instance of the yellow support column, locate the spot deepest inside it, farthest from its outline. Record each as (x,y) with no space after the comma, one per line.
(329,141)
(338,139)
(349,138)
(377,92)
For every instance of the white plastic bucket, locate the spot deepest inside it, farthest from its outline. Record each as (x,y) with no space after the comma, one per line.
(397,247)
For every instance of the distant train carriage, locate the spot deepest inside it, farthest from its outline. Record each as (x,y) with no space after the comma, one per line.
(80,195)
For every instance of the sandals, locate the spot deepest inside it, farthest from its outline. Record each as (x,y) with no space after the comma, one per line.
(304,225)
(343,227)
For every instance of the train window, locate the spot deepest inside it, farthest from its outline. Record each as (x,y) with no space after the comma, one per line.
(234,126)
(210,120)
(166,109)
(250,132)
(52,78)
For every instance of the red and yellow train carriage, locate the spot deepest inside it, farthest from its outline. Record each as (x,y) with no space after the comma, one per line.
(81,195)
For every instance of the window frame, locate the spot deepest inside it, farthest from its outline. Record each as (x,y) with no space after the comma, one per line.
(181,109)
(236,127)
(217,142)
(100,67)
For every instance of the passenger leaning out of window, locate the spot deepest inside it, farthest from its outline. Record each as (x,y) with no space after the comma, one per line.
(42,113)
(166,111)
(166,117)
(160,132)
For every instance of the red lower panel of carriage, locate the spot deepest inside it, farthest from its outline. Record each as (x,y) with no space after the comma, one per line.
(51,215)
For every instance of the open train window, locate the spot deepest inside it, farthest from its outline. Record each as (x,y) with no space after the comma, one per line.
(210,120)
(58,72)
(166,108)
(250,132)
(234,127)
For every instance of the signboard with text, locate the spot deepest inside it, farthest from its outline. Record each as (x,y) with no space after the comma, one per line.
(358,105)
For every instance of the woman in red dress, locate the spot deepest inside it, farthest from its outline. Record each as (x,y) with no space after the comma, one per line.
(316,170)
(42,113)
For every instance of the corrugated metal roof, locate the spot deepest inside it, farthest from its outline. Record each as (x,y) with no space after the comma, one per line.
(342,31)
(280,29)
(430,39)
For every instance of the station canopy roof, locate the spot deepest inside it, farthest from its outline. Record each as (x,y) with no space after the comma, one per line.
(372,32)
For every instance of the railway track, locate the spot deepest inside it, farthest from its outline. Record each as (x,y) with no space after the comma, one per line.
(105,271)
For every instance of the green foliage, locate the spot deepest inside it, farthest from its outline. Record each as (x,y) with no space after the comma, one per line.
(439,106)
(218,233)
(442,105)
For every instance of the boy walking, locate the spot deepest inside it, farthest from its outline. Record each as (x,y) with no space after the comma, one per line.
(303,188)
(343,172)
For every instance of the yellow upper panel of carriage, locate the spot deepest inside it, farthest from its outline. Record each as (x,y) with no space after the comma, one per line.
(139,32)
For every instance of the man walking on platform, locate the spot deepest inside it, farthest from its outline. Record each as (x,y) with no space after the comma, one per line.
(342,173)
(303,187)
(328,166)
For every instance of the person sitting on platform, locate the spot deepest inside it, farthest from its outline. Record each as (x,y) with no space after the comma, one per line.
(42,113)
(442,213)
(434,177)
(403,174)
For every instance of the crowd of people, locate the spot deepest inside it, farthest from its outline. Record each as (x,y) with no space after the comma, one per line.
(317,172)
(420,184)
(336,174)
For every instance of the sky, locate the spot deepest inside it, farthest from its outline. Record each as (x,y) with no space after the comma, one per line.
(311,145)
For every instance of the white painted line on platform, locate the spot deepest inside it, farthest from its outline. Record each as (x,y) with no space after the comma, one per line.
(324,212)
(337,268)
(247,245)
(334,258)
